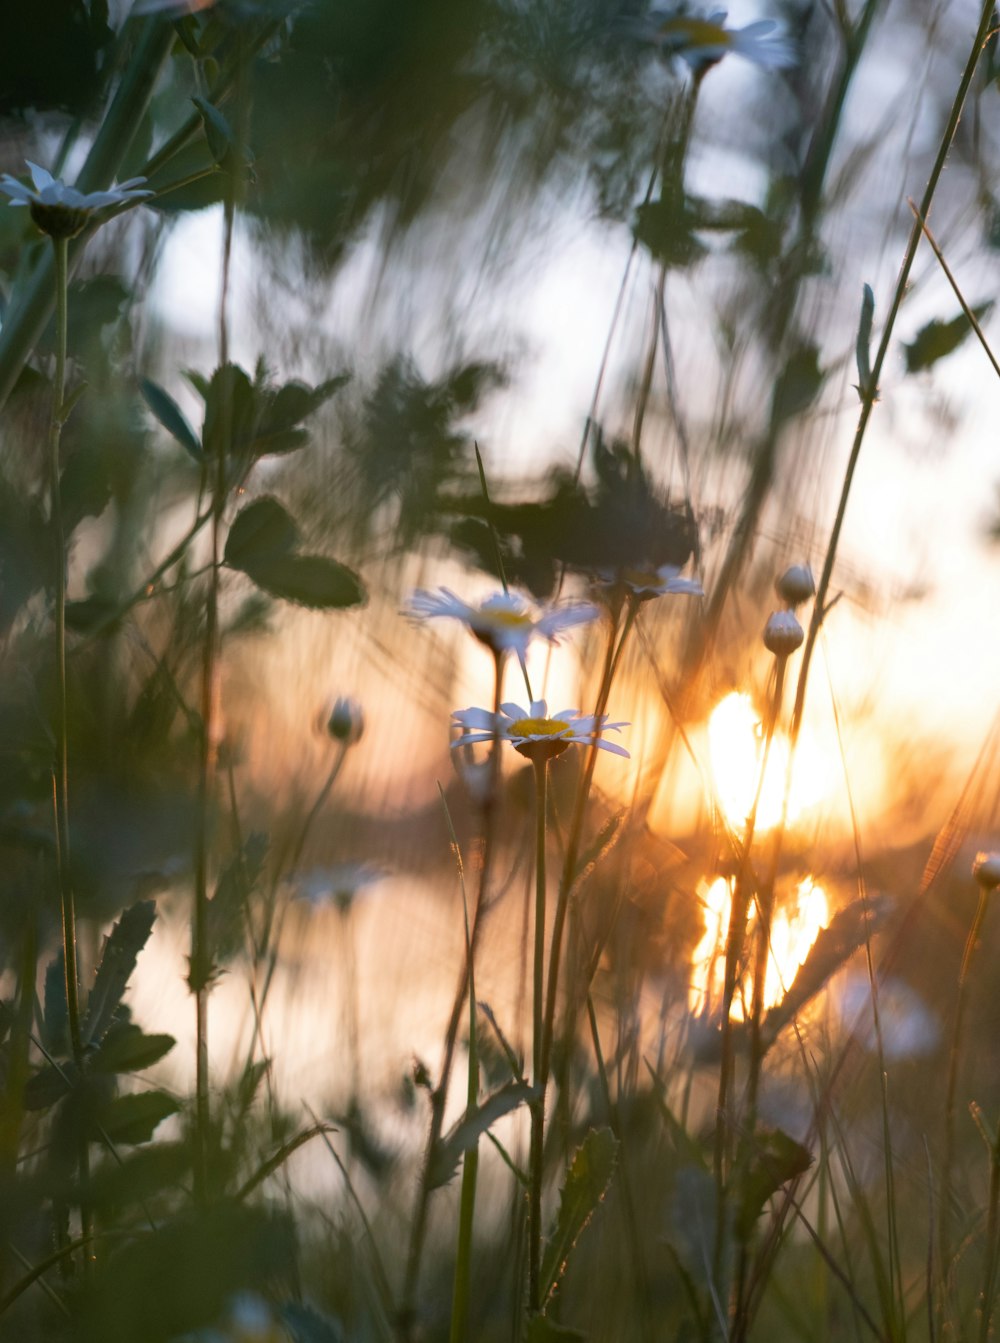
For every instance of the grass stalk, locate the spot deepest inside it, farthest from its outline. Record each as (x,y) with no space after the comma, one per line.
(537,1038)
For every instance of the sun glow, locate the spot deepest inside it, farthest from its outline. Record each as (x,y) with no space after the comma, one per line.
(736,745)
(794,929)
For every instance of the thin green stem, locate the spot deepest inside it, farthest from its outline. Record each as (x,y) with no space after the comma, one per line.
(538,1054)
(954,1057)
(992,1245)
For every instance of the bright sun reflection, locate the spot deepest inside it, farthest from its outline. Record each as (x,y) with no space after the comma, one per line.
(736,743)
(794,929)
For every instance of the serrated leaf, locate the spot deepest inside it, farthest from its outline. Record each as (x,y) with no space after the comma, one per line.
(587,1182)
(170,415)
(218,132)
(126,1048)
(50,1084)
(938,339)
(308,580)
(139,1176)
(133,1119)
(121,951)
(471,1127)
(264,531)
(776,1158)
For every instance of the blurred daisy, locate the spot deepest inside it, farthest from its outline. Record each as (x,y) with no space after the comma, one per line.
(504,622)
(646,584)
(703,40)
(533,731)
(339,885)
(62,211)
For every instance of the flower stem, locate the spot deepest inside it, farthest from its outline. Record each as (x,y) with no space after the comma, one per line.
(539,1060)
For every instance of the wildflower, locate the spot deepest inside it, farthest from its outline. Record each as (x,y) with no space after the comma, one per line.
(339,885)
(646,584)
(504,622)
(62,211)
(533,732)
(986,870)
(703,40)
(782,633)
(346,723)
(796,585)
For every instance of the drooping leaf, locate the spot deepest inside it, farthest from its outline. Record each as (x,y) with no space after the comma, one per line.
(937,339)
(309,580)
(126,1048)
(775,1159)
(121,951)
(263,532)
(170,415)
(587,1181)
(471,1127)
(834,945)
(133,1119)
(218,132)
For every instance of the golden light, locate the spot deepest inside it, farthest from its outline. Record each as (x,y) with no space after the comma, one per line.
(794,928)
(736,747)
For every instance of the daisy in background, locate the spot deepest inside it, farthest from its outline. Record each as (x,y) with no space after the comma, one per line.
(533,732)
(702,40)
(645,584)
(504,622)
(62,211)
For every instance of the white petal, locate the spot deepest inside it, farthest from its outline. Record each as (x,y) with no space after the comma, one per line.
(19,193)
(611,746)
(565,617)
(539,709)
(470,738)
(40,176)
(475,718)
(514,711)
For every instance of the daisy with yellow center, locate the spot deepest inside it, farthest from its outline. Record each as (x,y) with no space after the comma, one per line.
(534,732)
(504,622)
(644,584)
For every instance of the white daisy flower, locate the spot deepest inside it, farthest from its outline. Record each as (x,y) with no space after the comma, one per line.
(648,583)
(701,40)
(504,622)
(533,731)
(339,884)
(60,210)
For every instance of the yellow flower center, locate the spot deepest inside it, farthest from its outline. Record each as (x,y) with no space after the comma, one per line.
(536,727)
(695,32)
(512,619)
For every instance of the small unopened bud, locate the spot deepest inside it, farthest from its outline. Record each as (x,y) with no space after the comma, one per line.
(782,633)
(796,585)
(346,723)
(986,870)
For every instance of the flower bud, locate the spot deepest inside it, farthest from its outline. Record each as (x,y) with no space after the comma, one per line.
(986,870)
(796,585)
(782,633)
(346,723)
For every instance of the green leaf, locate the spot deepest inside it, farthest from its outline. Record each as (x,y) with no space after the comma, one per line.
(230,411)
(543,1330)
(863,346)
(170,415)
(121,951)
(471,1127)
(55,1022)
(218,132)
(664,227)
(263,532)
(126,1048)
(309,580)
(798,384)
(232,894)
(85,485)
(937,339)
(133,1119)
(50,1084)
(587,1181)
(775,1159)
(138,1176)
